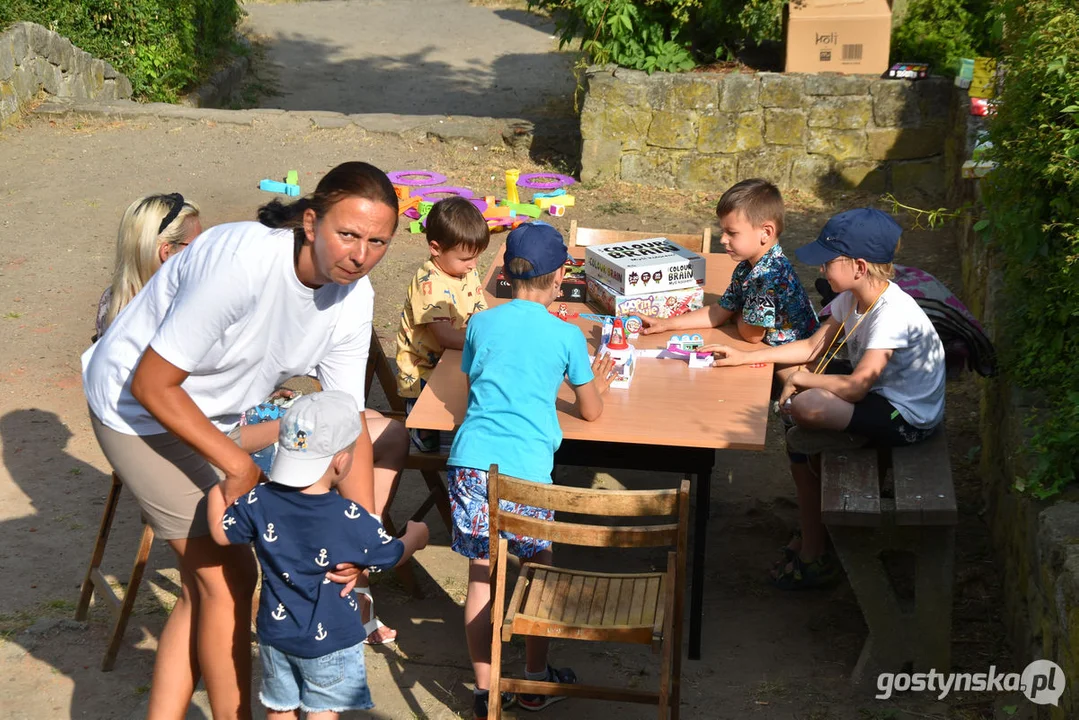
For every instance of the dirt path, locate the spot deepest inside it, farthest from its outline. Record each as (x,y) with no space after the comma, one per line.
(65,184)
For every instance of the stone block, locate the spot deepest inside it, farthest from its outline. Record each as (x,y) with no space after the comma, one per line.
(782,90)
(593,118)
(601,160)
(867,177)
(7,57)
(674,130)
(740,92)
(123,87)
(935,98)
(784,127)
(629,124)
(849,112)
(706,172)
(81,62)
(61,52)
(110,72)
(39,37)
(835,84)
(620,89)
(9,101)
(839,144)
(48,75)
(97,76)
(653,167)
(108,90)
(731,133)
(25,82)
(811,173)
(19,35)
(895,104)
(904,143)
(924,175)
(691,93)
(771,163)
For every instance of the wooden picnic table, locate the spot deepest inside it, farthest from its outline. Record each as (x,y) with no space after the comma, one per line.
(671,419)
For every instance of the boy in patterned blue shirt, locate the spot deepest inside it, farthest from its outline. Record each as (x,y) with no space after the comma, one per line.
(310,633)
(765,298)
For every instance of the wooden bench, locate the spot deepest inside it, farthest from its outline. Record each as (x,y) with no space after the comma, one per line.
(875,516)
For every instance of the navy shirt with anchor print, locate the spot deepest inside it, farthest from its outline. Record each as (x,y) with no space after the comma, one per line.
(298,538)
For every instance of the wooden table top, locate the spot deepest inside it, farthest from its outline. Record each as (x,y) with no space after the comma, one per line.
(667,404)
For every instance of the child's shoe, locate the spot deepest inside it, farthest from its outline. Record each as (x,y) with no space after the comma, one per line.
(479,704)
(538,702)
(427,441)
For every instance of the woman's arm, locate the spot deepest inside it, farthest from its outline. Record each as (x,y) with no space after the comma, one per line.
(156,384)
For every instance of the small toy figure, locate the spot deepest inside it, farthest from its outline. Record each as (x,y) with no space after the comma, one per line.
(618,336)
(563,312)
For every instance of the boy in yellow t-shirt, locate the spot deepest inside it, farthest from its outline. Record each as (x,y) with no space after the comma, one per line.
(443,295)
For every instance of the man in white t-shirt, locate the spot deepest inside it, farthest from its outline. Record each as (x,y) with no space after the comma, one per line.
(894,395)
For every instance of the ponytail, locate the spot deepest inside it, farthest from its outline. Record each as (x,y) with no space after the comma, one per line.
(350,179)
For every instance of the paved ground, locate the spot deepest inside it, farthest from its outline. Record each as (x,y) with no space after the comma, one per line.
(412,57)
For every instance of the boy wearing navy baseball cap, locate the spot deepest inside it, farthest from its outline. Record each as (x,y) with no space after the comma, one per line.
(516,356)
(894,395)
(310,633)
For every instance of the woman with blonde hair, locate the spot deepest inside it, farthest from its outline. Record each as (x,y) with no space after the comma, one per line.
(153,229)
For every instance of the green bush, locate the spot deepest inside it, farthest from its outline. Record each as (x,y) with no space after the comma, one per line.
(163,46)
(940,32)
(1032,200)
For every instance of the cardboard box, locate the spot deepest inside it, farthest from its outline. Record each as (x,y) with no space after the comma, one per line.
(573,284)
(845,36)
(658,304)
(644,266)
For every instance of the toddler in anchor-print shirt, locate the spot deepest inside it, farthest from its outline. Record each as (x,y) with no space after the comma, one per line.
(310,634)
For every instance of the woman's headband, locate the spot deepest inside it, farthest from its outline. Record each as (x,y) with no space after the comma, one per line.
(176,202)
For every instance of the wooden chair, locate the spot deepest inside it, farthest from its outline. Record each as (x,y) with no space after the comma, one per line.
(547,601)
(428,464)
(595,236)
(95,580)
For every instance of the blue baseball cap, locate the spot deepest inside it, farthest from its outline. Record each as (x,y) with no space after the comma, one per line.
(538,243)
(864,233)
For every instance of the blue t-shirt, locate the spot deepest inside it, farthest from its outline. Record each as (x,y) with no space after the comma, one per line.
(298,538)
(769,295)
(516,356)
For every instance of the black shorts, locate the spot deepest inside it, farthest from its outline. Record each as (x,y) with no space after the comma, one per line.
(877,419)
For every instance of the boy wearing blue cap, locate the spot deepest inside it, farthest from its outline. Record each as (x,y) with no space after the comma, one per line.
(310,633)
(894,395)
(516,356)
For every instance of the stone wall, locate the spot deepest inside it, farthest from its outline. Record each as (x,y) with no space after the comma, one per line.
(33,58)
(706,131)
(1036,542)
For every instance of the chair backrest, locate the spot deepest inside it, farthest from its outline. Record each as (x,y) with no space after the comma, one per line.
(378,365)
(671,507)
(596,236)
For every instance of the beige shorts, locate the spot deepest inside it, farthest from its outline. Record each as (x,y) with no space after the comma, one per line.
(166,475)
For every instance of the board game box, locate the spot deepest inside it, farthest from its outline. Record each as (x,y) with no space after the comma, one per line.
(644,266)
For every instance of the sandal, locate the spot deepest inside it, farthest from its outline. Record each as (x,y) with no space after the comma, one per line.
(802,575)
(374,624)
(787,552)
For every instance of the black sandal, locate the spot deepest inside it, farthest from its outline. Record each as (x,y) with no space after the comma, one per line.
(787,552)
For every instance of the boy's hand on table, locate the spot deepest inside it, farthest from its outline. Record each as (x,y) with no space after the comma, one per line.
(651,325)
(603,370)
(725,356)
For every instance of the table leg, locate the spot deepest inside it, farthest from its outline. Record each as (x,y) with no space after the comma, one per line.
(700,539)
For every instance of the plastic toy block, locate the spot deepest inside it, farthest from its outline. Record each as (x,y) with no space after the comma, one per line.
(524,209)
(415,227)
(279,187)
(406,204)
(495,211)
(563,200)
(512,197)
(557,210)
(293,178)
(402,192)
(551,194)
(425,207)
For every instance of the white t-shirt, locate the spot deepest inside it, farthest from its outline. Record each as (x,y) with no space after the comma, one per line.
(230,311)
(913,379)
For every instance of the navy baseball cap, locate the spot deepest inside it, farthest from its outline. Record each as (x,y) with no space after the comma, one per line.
(539,244)
(864,233)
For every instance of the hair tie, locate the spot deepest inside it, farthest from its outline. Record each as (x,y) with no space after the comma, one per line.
(177,201)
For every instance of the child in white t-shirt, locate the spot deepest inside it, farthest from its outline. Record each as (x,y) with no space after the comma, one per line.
(893,396)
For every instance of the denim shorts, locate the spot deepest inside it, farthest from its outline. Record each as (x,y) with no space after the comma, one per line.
(332,683)
(471,523)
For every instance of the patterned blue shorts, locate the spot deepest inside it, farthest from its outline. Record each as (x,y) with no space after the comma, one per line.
(468,504)
(332,683)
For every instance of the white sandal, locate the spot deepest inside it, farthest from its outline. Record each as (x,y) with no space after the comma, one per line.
(374,623)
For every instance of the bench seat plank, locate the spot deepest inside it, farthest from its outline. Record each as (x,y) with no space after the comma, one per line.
(924,491)
(850,488)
